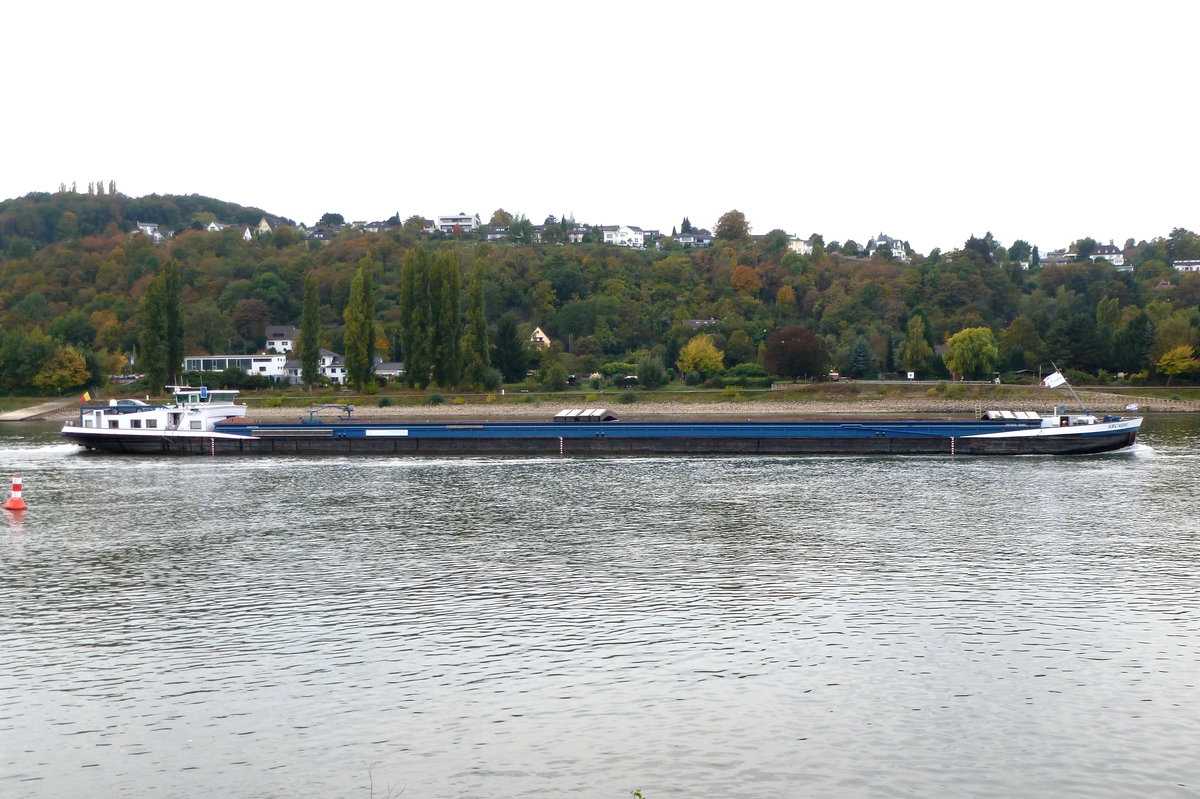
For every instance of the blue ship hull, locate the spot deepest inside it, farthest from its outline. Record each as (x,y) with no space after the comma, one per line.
(824,437)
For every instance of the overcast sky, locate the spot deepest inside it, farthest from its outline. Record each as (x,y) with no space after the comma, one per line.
(1046,121)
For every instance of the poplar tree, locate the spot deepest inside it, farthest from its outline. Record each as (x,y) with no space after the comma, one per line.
(512,357)
(310,332)
(477,356)
(173,309)
(415,317)
(152,338)
(445,289)
(360,325)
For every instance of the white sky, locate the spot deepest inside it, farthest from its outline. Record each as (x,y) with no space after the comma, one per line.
(928,121)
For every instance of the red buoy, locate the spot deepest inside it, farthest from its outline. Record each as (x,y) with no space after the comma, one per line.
(15,502)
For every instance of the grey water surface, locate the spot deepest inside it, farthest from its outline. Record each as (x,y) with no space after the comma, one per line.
(689,627)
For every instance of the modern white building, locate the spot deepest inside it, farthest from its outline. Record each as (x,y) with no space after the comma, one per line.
(1186,266)
(464,222)
(271,366)
(625,236)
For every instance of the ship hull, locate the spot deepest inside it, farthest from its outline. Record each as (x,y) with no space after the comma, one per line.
(623,438)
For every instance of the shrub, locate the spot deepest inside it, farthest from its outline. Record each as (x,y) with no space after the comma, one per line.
(627,398)
(594,383)
(384,402)
(693,378)
(731,392)
(435,399)
(458,401)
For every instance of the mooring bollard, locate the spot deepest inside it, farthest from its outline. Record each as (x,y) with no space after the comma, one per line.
(16,502)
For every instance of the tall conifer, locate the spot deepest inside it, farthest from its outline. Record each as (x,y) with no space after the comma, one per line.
(360,325)
(310,332)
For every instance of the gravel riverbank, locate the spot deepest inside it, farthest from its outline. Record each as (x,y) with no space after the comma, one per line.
(909,405)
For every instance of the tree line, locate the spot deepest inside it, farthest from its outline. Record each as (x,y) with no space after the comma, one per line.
(458,310)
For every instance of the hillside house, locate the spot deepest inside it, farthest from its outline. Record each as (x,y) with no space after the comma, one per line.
(695,238)
(625,236)
(1109,252)
(895,246)
(151,231)
(281,338)
(1186,266)
(465,223)
(800,246)
(538,338)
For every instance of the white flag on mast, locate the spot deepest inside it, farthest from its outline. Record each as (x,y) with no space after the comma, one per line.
(1054,380)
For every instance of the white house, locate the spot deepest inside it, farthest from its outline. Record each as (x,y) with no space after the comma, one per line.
(1186,266)
(894,245)
(215,226)
(625,236)
(538,338)
(800,246)
(465,222)
(282,338)
(695,238)
(1109,252)
(151,231)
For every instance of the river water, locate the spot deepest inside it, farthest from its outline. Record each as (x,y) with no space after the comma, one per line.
(718,627)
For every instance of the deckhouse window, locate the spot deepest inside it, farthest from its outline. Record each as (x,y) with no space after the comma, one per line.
(151,423)
(135,423)
(196,424)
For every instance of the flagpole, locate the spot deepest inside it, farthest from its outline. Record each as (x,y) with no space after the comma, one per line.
(1070,387)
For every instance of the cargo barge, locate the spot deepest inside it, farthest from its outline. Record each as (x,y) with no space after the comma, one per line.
(200,422)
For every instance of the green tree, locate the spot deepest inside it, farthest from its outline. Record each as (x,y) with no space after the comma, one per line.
(511,354)
(914,351)
(862,361)
(359,317)
(554,377)
(500,218)
(651,372)
(152,336)
(331,219)
(445,292)
(972,352)
(310,332)
(415,318)
(702,356)
(732,226)
(173,303)
(476,351)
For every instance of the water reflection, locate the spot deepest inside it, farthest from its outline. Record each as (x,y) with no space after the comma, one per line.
(688,626)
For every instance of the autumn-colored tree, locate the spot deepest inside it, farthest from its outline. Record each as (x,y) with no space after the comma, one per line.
(702,356)
(745,280)
(914,351)
(795,352)
(785,299)
(1177,361)
(66,369)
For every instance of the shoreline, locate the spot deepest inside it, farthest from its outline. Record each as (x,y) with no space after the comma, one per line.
(924,406)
